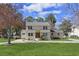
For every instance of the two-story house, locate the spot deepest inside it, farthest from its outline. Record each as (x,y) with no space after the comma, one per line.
(75,31)
(34,30)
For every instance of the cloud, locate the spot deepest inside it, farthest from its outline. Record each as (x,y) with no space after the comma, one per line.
(43,13)
(56,11)
(33,7)
(38,7)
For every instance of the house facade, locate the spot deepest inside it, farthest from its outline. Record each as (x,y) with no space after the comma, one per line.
(34,30)
(75,31)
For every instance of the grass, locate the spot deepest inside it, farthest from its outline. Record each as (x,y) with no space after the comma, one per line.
(4,39)
(40,49)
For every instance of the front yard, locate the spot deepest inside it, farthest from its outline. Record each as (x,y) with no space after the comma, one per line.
(4,40)
(40,49)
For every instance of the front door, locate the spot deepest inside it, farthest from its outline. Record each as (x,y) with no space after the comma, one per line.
(37,34)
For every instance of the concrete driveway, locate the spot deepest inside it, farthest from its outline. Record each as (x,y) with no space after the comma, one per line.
(53,41)
(3,43)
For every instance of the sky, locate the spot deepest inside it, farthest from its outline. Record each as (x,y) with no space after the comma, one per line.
(60,10)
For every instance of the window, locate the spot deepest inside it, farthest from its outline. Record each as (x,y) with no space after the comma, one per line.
(23,33)
(44,27)
(30,34)
(51,33)
(58,33)
(30,27)
(45,34)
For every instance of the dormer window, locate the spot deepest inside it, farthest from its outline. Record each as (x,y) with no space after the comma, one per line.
(30,27)
(44,27)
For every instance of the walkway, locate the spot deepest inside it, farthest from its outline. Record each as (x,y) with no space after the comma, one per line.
(53,41)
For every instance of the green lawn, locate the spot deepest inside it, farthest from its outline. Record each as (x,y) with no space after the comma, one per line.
(40,49)
(4,39)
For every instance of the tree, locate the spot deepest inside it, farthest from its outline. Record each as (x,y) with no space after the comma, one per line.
(29,19)
(10,18)
(76,19)
(52,20)
(39,19)
(19,24)
(74,10)
(66,26)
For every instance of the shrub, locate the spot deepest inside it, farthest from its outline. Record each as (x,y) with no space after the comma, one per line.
(43,37)
(74,36)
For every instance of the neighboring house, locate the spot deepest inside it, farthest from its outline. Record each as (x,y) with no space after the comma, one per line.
(75,31)
(34,30)
(58,34)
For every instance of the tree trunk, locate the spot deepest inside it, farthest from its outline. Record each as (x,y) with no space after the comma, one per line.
(9,35)
(9,40)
